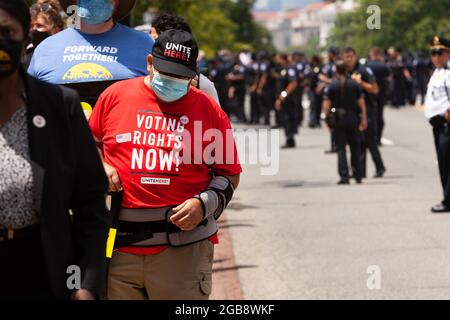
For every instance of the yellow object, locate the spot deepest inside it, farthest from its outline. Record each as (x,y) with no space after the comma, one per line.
(88,72)
(110,242)
(87,108)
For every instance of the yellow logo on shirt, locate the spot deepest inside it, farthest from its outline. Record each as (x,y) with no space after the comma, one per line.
(87,72)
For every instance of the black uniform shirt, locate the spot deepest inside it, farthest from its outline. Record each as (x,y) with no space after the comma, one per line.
(368,76)
(381,72)
(313,77)
(253,73)
(267,68)
(347,98)
(328,70)
(239,70)
(284,76)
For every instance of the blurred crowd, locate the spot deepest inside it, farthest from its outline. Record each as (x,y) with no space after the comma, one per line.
(257,75)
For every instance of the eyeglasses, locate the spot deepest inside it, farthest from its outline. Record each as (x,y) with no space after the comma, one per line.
(41,7)
(436,52)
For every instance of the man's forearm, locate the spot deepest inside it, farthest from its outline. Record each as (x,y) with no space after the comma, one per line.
(370,87)
(326,106)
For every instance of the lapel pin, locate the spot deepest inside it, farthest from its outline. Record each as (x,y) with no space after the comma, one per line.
(39,121)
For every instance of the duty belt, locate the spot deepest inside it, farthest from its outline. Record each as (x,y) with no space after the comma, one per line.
(437,121)
(152,227)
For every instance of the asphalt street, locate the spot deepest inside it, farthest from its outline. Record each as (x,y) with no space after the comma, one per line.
(297,235)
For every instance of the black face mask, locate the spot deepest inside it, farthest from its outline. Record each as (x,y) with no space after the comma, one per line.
(37,37)
(10,56)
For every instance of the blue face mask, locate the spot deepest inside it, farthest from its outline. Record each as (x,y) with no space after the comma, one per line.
(169,89)
(95,11)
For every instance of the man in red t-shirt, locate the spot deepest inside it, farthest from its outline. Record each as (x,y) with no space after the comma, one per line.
(171,149)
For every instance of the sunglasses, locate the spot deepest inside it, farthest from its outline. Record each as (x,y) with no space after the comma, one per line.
(437,52)
(41,7)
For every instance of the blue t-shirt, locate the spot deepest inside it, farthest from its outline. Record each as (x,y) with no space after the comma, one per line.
(71,56)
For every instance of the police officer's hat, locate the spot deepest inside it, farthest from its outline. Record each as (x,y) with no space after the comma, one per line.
(437,42)
(123,9)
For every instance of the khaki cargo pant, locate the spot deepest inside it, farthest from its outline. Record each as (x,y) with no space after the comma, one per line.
(174,274)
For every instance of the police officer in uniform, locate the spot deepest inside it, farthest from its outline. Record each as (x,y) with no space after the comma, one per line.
(222,66)
(382,73)
(344,101)
(400,77)
(326,76)
(266,88)
(253,79)
(237,89)
(365,78)
(315,91)
(422,71)
(437,110)
(301,66)
(286,102)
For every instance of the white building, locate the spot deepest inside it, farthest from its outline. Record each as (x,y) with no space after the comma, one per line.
(278,26)
(295,28)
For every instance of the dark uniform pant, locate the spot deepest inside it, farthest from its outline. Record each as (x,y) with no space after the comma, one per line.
(267,102)
(301,112)
(255,108)
(381,101)
(236,104)
(347,132)
(290,119)
(315,109)
(399,93)
(370,142)
(442,142)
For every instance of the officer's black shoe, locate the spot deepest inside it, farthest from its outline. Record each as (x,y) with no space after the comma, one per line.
(289,145)
(440,208)
(358,181)
(331,151)
(380,173)
(343,182)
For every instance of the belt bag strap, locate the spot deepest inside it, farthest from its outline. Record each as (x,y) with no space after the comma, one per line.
(170,235)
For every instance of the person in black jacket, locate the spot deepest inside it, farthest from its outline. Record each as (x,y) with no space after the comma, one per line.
(344,98)
(52,166)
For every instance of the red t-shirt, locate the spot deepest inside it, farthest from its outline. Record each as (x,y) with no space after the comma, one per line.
(155,146)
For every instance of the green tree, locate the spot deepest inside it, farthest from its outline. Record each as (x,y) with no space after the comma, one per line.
(217,24)
(404,23)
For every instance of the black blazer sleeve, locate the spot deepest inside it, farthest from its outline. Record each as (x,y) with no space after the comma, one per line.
(91,220)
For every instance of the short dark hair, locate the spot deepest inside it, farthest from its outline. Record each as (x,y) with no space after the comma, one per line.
(350,50)
(340,67)
(167,21)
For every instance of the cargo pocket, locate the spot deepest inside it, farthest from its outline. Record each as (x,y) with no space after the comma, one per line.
(206,283)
